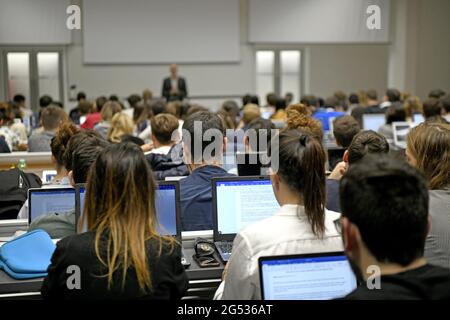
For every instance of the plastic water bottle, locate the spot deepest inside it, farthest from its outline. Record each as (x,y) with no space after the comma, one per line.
(22,165)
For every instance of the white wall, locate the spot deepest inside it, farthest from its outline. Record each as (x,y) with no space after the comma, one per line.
(347,67)
(433,61)
(329,68)
(33,22)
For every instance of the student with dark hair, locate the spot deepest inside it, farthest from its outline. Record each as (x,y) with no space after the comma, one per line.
(122,255)
(258,135)
(280,110)
(19,100)
(373,105)
(301,225)
(82,150)
(344,129)
(289,97)
(432,107)
(428,149)
(363,143)
(75,114)
(353,100)
(51,118)
(269,109)
(58,145)
(436,94)
(391,96)
(394,113)
(45,101)
(203,157)
(255,100)
(246,99)
(311,102)
(384,224)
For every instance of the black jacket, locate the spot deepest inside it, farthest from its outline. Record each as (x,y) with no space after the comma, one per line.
(423,283)
(170,165)
(167,86)
(169,280)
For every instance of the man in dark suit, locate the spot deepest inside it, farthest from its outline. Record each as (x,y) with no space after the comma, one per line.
(174,87)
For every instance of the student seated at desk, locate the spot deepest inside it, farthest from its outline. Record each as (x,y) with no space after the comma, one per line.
(166,156)
(58,146)
(82,150)
(203,158)
(365,142)
(428,149)
(301,225)
(51,118)
(121,256)
(384,223)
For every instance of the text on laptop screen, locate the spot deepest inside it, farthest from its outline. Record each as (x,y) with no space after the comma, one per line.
(373,121)
(50,201)
(317,278)
(166,209)
(241,203)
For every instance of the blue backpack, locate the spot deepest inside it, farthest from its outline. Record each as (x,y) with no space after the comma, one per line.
(27,256)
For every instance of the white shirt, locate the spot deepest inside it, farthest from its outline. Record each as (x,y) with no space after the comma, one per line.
(286,232)
(161,150)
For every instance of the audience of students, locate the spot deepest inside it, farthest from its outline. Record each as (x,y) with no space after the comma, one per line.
(428,149)
(384,225)
(121,255)
(363,143)
(51,118)
(203,157)
(366,187)
(301,225)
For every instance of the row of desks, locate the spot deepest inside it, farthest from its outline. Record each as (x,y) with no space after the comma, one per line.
(202,281)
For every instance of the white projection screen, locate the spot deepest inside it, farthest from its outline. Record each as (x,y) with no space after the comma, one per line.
(160,31)
(316,21)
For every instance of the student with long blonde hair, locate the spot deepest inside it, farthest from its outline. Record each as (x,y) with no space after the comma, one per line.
(121,256)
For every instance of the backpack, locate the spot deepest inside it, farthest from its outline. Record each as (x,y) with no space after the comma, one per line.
(14,185)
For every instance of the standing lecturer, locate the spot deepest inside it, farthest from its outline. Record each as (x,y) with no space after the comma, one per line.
(174,87)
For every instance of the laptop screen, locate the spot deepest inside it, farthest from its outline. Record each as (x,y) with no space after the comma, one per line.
(373,121)
(44,201)
(308,277)
(240,203)
(166,208)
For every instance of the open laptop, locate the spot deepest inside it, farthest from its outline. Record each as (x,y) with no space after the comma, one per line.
(50,200)
(320,276)
(252,163)
(167,201)
(48,175)
(400,131)
(373,121)
(238,202)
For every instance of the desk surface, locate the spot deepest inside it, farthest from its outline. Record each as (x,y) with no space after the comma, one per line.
(9,285)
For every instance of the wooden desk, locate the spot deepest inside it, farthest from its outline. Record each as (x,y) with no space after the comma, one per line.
(36,161)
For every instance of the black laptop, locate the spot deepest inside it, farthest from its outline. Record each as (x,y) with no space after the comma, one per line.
(238,202)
